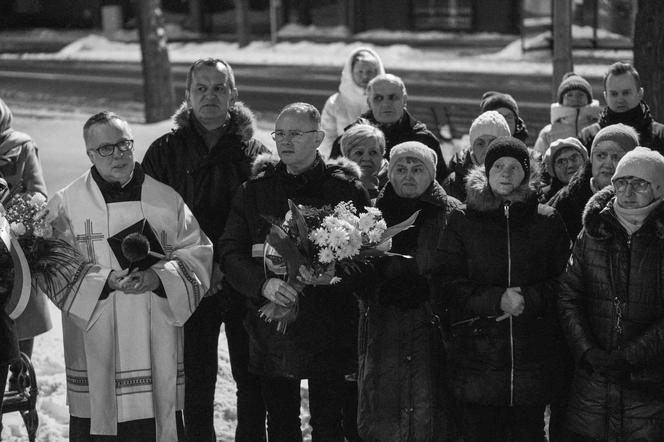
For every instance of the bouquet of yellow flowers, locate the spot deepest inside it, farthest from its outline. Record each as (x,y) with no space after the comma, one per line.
(311,243)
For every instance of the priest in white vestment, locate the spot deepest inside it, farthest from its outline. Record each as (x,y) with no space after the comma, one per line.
(122,316)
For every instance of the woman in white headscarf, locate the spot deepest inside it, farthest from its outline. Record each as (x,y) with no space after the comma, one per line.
(342,108)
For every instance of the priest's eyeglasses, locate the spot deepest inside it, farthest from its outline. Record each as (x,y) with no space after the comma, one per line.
(292,134)
(637,185)
(106,150)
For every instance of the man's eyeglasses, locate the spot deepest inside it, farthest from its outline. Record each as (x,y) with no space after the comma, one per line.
(563,162)
(637,185)
(292,134)
(106,150)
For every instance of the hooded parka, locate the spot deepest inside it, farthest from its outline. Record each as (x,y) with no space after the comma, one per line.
(612,298)
(489,246)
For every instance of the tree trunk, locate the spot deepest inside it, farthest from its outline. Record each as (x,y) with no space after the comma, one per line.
(196,15)
(157,79)
(649,53)
(242,22)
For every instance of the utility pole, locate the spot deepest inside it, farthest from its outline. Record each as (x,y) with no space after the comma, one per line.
(562,43)
(157,80)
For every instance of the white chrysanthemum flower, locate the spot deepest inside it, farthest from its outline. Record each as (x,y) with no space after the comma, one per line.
(338,237)
(355,239)
(325,255)
(381,225)
(366,222)
(373,211)
(330,222)
(38,199)
(17,229)
(374,236)
(319,236)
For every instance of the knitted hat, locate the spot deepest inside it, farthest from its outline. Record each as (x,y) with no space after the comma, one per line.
(624,136)
(572,81)
(507,147)
(489,123)
(643,163)
(413,149)
(557,147)
(493,100)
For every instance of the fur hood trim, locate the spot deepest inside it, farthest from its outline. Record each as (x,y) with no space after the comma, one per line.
(268,161)
(481,198)
(596,220)
(242,122)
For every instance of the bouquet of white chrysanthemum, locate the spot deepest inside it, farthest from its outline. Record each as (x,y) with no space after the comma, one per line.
(42,257)
(312,242)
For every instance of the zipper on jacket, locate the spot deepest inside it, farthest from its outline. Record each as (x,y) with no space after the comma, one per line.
(506,209)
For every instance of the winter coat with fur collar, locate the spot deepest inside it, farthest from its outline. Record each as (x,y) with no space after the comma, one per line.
(612,275)
(480,246)
(571,200)
(322,340)
(207,179)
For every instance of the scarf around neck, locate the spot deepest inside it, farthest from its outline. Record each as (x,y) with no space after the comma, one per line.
(639,118)
(632,219)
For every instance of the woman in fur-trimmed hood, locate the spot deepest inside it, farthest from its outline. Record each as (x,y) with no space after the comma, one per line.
(612,310)
(502,252)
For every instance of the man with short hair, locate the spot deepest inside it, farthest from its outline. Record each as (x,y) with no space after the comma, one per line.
(320,345)
(205,158)
(387,98)
(624,104)
(122,333)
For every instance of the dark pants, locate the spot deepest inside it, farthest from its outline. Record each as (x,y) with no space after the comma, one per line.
(141,430)
(4,370)
(201,338)
(350,411)
(502,424)
(326,402)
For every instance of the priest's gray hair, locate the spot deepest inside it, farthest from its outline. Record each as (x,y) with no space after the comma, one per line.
(103,117)
(302,108)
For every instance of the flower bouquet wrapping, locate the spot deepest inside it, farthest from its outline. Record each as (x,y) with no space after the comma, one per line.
(49,260)
(311,243)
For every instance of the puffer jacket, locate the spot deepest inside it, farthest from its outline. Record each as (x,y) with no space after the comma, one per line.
(571,200)
(493,363)
(406,129)
(611,298)
(401,376)
(207,179)
(345,106)
(322,340)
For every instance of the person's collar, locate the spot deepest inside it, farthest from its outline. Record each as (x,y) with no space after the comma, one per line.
(313,169)
(114,192)
(202,130)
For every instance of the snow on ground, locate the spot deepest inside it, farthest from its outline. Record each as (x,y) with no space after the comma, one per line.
(445,59)
(63,158)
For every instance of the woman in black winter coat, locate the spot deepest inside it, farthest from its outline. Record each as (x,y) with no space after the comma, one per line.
(502,254)
(401,378)
(612,308)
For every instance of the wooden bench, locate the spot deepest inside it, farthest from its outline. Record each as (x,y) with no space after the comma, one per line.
(21,396)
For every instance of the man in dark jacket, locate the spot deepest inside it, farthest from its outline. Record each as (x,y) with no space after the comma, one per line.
(205,158)
(319,345)
(624,104)
(387,98)
(612,310)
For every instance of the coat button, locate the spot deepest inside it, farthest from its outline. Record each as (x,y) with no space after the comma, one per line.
(408,358)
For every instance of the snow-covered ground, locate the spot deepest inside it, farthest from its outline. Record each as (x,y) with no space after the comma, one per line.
(123,47)
(62,154)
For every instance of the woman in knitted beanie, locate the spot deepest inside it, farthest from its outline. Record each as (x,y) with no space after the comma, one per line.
(506,105)
(401,362)
(611,307)
(502,253)
(574,110)
(562,160)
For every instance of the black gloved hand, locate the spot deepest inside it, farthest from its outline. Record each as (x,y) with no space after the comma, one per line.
(596,359)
